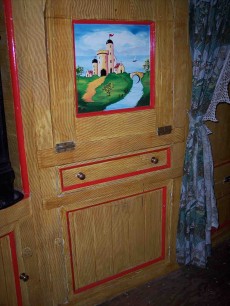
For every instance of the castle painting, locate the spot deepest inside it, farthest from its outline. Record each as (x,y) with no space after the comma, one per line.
(114,66)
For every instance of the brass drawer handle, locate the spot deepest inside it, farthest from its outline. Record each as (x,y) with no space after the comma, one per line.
(154,160)
(81,176)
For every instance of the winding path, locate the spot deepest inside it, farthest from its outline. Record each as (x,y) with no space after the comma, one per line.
(91,89)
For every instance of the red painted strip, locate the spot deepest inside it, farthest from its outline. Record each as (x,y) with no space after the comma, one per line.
(113,158)
(116,177)
(152,63)
(163,224)
(15,268)
(223,225)
(222,163)
(70,249)
(16,95)
(113,178)
(103,281)
(152,66)
(141,266)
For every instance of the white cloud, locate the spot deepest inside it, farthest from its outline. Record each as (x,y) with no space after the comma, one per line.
(125,43)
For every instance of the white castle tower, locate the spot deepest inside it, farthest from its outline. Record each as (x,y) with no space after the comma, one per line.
(95,66)
(102,56)
(110,48)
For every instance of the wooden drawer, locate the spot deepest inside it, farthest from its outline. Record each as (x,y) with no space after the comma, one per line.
(112,169)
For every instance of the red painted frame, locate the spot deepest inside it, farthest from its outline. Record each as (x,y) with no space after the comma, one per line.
(15,266)
(16,95)
(138,267)
(152,65)
(113,178)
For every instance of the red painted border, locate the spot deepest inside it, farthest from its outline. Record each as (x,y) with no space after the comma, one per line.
(223,225)
(152,65)
(16,95)
(141,266)
(113,178)
(222,163)
(15,267)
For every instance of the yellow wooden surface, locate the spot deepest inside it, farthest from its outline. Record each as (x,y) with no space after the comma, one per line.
(113,237)
(8,295)
(114,146)
(44,54)
(109,169)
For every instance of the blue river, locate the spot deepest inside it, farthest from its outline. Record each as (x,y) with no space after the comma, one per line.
(131,99)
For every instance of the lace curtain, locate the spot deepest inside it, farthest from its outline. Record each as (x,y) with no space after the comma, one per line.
(209,30)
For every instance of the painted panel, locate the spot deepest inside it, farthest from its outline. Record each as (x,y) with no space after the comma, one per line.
(114,66)
(112,239)
(10,293)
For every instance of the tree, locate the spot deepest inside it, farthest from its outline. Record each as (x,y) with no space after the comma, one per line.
(146,65)
(79,70)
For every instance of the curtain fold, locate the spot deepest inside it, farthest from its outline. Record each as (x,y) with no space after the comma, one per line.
(209,30)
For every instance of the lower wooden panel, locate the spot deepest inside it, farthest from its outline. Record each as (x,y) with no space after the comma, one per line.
(10,293)
(112,239)
(222,192)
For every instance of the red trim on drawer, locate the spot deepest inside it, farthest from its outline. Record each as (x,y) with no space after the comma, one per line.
(15,267)
(16,95)
(138,267)
(116,177)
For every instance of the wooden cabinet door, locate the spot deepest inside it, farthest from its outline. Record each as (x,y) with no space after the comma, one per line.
(10,293)
(114,239)
(99,135)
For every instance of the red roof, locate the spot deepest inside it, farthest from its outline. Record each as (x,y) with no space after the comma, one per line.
(117,65)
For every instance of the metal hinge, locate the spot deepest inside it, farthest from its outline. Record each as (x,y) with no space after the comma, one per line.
(163,130)
(65,146)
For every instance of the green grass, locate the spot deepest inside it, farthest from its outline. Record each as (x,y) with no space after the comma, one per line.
(113,89)
(145,99)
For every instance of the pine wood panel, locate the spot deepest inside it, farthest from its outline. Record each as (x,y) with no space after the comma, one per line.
(111,238)
(113,9)
(118,125)
(120,236)
(81,226)
(7,276)
(32,64)
(164,72)
(224,210)
(153,222)
(49,244)
(61,72)
(114,146)
(136,231)
(181,66)
(14,213)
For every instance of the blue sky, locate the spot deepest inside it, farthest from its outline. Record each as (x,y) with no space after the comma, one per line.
(129,40)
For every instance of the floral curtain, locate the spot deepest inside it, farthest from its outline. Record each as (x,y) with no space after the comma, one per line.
(209,30)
